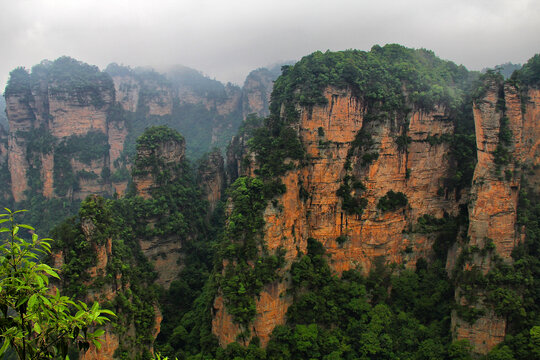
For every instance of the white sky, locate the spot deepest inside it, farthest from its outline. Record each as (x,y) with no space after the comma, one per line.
(228,39)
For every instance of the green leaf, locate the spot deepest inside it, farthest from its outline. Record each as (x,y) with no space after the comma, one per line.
(108,312)
(97,344)
(32,300)
(46,268)
(5,346)
(95,306)
(99,333)
(27,227)
(45,300)
(37,328)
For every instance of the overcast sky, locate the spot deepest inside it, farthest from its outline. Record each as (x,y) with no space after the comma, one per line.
(227,39)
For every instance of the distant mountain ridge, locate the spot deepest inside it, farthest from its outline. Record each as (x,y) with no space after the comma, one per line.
(72,127)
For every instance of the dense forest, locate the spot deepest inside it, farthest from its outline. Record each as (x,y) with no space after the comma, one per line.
(387,310)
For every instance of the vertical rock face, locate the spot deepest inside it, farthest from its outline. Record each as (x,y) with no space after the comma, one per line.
(153,159)
(160,101)
(494,198)
(256,92)
(156,159)
(503,125)
(127,91)
(212,178)
(328,133)
(65,99)
(51,108)
(3,118)
(231,102)
(530,145)
(206,111)
(21,118)
(76,114)
(374,233)
(118,131)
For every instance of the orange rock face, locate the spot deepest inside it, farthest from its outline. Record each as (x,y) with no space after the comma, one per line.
(117,132)
(73,116)
(21,117)
(109,344)
(161,103)
(47,171)
(50,108)
(531,129)
(256,92)
(61,114)
(232,101)
(487,331)
(494,193)
(327,133)
(212,179)
(494,200)
(165,257)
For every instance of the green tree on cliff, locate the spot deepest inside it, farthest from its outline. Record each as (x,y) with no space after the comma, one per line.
(36,322)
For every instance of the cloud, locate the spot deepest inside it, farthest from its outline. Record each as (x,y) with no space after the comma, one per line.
(227,39)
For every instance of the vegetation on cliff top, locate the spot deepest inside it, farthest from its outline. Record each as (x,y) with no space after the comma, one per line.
(529,74)
(390,78)
(64,76)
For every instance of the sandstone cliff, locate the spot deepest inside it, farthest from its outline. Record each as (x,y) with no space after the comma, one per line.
(256,92)
(212,178)
(158,164)
(346,145)
(328,135)
(206,111)
(507,136)
(51,115)
(60,111)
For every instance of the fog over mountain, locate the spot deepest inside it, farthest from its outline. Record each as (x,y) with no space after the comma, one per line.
(227,39)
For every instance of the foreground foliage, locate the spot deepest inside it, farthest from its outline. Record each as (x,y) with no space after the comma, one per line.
(36,322)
